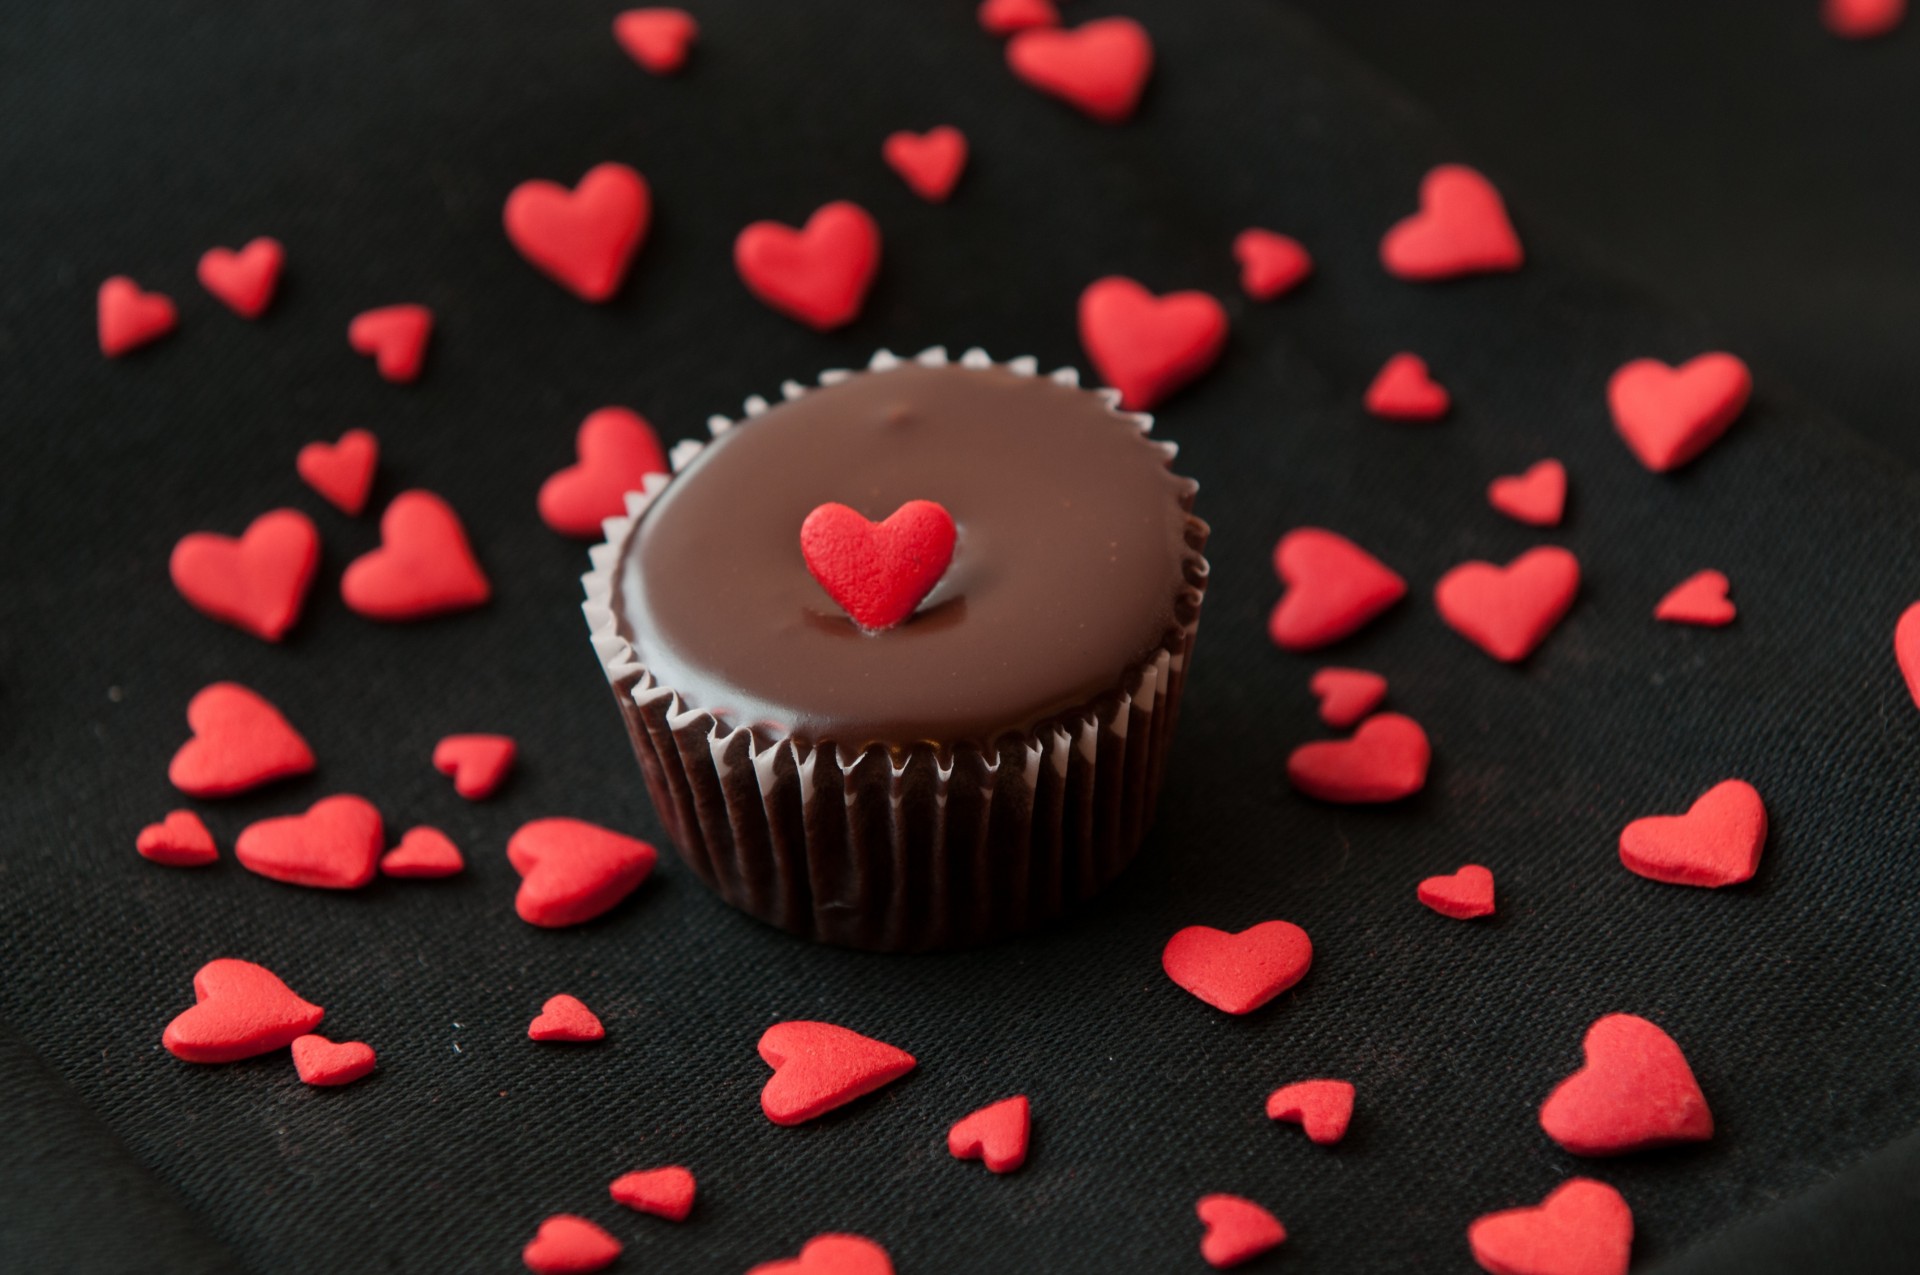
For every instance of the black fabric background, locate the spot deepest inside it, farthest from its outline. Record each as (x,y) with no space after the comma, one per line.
(378,142)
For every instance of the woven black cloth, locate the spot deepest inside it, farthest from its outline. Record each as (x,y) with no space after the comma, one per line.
(378,142)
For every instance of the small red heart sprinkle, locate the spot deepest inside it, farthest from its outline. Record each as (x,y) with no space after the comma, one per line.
(1537,497)
(424,853)
(1906,650)
(423,567)
(335,845)
(1238,1230)
(179,841)
(1669,415)
(1148,346)
(128,318)
(240,1010)
(1099,68)
(1333,588)
(617,449)
(477,764)
(1717,842)
(1004,17)
(1508,611)
(395,338)
(658,39)
(343,471)
(995,1135)
(666,1192)
(1322,1108)
(572,871)
(1271,265)
(240,741)
(322,1062)
(258,582)
(1466,894)
(1582,1228)
(1863,19)
(818,1067)
(1403,391)
(1635,1091)
(567,1244)
(1461,229)
(930,163)
(1238,973)
(567,1019)
(1347,694)
(583,239)
(818,274)
(1700,599)
(878,572)
(1385,760)
(832,1255)
(244,281)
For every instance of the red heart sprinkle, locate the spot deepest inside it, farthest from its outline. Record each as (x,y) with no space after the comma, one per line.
(1582,1228)
(566,1019)
(1148,346)
(322,1062)
(477,764)
(240,741)
(256,583)
(818,1067)
(995,1135)
(1238,973)
(1462,228)
(240,1010)
(878,572)
(567,1244)
(395,338)
(583,239)
(1238,1230)
(617,449)
(1863,19)
(658,39)
(1466,894)
(930,163)
(343,471)
(128,318)
(335,845)
(1385,760)
(666,1192)
(832,1255)
(1537,497)
(1403,391)
(1906,650)
(1333,588)
(1271,265)
(424,853)
(1004,17)
(1717,842)
(1347,694)
(1322,1108)
(1635,1091)
(1700,599)
(179,841)
(1099,68)
(423,567)
(572,871)
(818,274)
(244,281)
(1669,415)
(1508,611)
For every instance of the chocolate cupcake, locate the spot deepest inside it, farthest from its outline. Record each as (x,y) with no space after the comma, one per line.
(968,771)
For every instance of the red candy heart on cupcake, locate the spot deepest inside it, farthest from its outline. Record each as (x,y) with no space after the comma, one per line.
(878,572)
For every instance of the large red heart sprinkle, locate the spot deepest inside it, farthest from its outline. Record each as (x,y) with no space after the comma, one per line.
(343,471)
(567,1244)
(1466,894)
(1537,497)
(127,318)
(666,1192)
(617,449)
(423,567)
(1508,611)
(1635,1091)
(256,583)
(240,1009)
(240,741)
(395,338)
(1404,391)
(1462,228)
(335,845)
(1099,68)
(1148,346)
(1717,842)
(1669,415)
(818,274)
(1863,19)
(878,572)
(583,239)
(567,1019)
(1347,694)
(1385,760)
(1238,973)
(818,1067)
(995,1135)
(930,163)
(1700,599)
(1582,1228)
(244,281)
(322,1062)
(1906,650)
(572,871)
(1333,588)
(1271,265)
(477,764)
(658,39)
(832,1255)
(1322,1108)
(423,853)
(179,841)
(1004,17)
(1238,1230)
